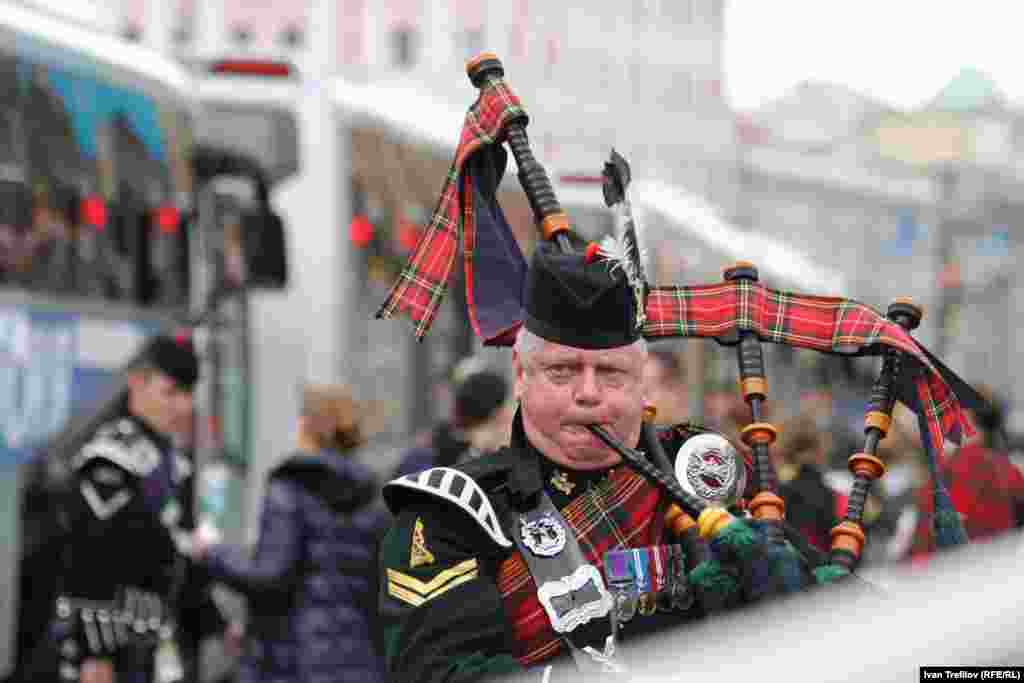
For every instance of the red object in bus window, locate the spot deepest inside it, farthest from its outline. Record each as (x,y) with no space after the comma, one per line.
(183,337)
(166,219)
(579,179)
(93,212)
(252,67)
(360,231)
(408,235)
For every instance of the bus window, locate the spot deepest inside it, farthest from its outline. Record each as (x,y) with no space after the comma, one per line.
(11,136)
(267,135)
(53,152)
(128,229)
(79,143)
(45,247)
(15,215)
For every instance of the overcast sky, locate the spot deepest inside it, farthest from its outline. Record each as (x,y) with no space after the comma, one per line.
(901,51)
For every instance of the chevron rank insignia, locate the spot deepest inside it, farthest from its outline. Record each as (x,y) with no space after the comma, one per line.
(418,553)
(416,592)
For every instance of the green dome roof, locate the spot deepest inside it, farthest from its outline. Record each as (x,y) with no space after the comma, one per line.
(970,90)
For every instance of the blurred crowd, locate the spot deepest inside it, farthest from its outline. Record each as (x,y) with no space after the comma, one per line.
(309,582)
(983,475)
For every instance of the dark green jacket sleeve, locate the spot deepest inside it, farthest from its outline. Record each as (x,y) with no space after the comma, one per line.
(440,610)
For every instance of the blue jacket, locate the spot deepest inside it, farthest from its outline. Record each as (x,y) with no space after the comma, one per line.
(444,450)
(309,582)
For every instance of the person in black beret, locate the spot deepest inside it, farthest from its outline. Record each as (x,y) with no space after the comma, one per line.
(480,422)
(113,535)
(498,564)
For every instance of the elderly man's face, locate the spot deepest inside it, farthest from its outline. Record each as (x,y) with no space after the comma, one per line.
(564,389)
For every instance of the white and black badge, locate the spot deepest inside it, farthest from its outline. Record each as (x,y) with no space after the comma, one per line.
(544,534)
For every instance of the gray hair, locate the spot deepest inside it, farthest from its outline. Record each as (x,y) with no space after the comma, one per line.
(528,344)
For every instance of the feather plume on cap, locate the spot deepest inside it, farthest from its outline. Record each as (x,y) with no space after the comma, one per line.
(623,252)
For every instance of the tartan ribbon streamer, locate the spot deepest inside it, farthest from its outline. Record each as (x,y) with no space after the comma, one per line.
(463,214)
(825,324)
(947,526)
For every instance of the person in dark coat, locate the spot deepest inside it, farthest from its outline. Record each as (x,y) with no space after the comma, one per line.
(482,421)
(309,581)
(810,503)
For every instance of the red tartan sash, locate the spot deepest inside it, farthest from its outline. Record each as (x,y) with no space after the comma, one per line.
(821,323)
(631,503)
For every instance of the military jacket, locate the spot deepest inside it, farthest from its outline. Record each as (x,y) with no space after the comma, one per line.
(456,599)
(123,512)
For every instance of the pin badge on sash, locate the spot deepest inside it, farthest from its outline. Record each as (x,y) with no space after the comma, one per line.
(543,535)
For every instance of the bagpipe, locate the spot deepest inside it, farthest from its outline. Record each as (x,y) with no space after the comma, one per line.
(740,311)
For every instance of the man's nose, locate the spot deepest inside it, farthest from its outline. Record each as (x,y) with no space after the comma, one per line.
(587,389)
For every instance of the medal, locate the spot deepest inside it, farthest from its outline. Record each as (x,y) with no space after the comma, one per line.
(618,568)
(658,562)
(641,569)
(681,591)
(662,578)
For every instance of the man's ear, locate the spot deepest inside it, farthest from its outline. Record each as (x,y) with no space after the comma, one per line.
(519,371)
(137,379)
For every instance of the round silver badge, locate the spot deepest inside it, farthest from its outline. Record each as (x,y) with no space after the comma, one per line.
(708,466)
(543,535)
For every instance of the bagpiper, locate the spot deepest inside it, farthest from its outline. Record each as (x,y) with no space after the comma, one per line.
(585,531)
(108,571)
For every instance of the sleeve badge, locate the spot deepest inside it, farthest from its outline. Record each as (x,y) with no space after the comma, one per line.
(416,592)
(418,553)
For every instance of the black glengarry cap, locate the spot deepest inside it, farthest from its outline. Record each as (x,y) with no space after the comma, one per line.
(174,357)
(579,303)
